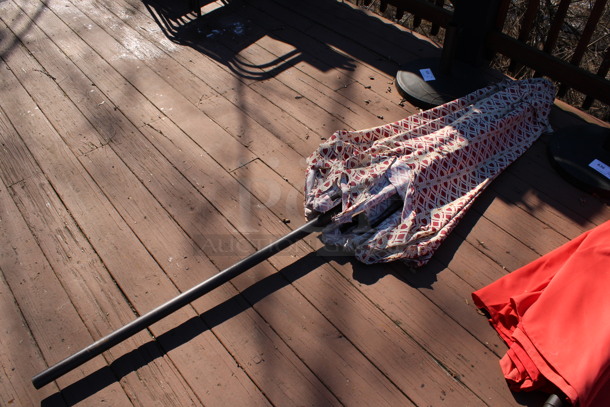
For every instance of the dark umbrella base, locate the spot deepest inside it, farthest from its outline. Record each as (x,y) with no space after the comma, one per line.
(573,149)
(461,80)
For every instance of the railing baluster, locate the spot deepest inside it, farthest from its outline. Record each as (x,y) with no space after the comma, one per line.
(585,38)
(558,20)
(416,21)
(553,35)
(587,33)
(526,28)
(399,13)
(502,13)
(435,27)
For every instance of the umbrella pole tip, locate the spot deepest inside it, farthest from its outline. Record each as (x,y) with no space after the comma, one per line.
(553,401)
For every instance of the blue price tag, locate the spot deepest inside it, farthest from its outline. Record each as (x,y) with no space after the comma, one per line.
(427,74)
(600,167)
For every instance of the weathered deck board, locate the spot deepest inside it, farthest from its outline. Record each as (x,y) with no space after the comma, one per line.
(134,167)
(20,353)
(96,297)
(101,229)
(32,281)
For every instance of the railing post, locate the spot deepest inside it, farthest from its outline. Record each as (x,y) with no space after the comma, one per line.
(474,19)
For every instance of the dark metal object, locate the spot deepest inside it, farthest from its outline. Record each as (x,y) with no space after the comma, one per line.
(141,323)
(553,401)
(448,84)
(573,149)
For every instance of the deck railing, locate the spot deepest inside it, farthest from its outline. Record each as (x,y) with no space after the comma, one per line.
(531,44)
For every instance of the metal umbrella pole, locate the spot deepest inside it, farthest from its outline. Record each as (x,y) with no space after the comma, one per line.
(141,323)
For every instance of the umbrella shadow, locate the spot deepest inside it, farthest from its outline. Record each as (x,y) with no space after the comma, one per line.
(370,274)
(224,32)
(421,277)
(182,334)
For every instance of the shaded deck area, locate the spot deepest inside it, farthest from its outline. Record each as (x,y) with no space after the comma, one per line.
(143,151)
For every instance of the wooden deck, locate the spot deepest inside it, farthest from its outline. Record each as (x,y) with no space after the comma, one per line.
(141,156)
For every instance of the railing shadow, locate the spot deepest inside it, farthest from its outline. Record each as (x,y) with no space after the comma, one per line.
(8,41)
(223,32)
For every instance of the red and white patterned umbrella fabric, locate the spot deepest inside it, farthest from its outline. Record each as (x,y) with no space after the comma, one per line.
(436,162)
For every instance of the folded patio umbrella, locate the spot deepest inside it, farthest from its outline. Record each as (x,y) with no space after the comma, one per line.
(407,183)
(554,314)
(437,162)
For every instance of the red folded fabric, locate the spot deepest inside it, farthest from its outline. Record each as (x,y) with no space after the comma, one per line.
(554,314)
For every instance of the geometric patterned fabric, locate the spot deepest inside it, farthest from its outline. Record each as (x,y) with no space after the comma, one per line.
(435,163)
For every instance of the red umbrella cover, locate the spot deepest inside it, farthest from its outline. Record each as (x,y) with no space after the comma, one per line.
(554,314)
(437,162)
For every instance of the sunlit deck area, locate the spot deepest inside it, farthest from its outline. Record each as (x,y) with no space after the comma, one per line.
(145,149)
